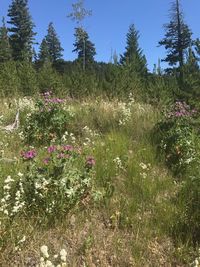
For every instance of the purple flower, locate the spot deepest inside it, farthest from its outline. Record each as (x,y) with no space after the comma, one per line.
(51,149)
(26,155)
(63,156)
(90,161)
(46,160)
(68,148)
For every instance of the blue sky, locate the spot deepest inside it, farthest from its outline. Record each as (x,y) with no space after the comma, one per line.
(109,23)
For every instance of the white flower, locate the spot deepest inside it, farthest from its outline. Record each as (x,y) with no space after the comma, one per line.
(44,250)
(49,264)
(143,166)
(63,255)
(5,212)
(8,179)
(22,240)
(6,187)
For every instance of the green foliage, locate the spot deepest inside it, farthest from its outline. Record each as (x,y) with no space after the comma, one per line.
(50,49)
(21,30)
(28,78)
(161,89)
(188,225)
(191,83)
(5,50)
(176,138)
(49,187)
(84,47)
(134,55)
(9,79)
(177,37)
(43,56)
(49,121)
(49,78)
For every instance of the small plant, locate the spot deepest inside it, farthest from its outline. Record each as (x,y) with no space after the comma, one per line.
(52,184)
(49,120)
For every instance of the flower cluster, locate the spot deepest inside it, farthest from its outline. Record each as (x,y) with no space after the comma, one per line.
(181,109)
(145,168)
(8,206)
(28,155)
(118,163)
(47,96)
(53,183)
(59,260)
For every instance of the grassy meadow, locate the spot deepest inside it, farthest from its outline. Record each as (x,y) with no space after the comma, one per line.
(114,201)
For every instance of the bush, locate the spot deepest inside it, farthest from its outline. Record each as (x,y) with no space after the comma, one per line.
(49,120)
(51,185)
(9,80)
(176,138)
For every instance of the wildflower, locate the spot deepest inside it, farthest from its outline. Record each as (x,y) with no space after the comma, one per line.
(49,264)
(63,255)
(8,179)
(90,162)
(143,166)
(27,155)
(51,149)
(44,250)
(68,148)
(46,160)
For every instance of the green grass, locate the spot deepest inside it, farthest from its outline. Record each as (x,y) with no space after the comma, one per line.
(132,224)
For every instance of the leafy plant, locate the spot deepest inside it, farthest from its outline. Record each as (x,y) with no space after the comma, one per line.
(176,138)
(48,121)
(51,185)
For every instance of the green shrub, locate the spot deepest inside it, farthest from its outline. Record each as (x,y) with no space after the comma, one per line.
(175,137)
(49,120)
(52,182)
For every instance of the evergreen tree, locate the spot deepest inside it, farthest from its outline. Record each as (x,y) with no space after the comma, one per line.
(5,50)
(51,46)
(84,47)
(44,55)
(21,30)
(177,37)
(191,78)
(78,14)
(196,44)
(133,54)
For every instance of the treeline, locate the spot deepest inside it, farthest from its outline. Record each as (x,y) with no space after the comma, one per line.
(23,71)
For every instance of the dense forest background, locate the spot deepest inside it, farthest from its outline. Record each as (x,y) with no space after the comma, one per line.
(25,72)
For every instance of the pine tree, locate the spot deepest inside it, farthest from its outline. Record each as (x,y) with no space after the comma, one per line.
(5,50)
(51,46)
(21,30)
(78,14)
(177,37)
(191,78)
(133,54)
(44,55)
(84,47)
